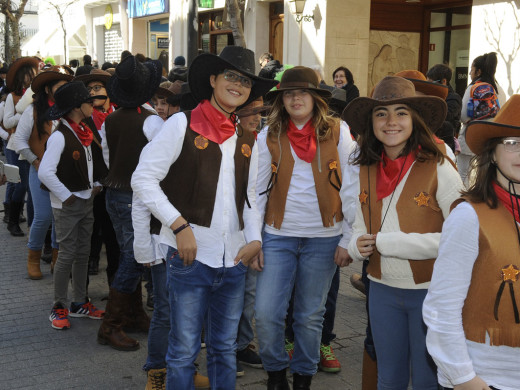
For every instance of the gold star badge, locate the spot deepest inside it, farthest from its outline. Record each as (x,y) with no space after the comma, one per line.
(333,164)
(422,199)
(510,273)
(363,197)
(201,142)
(246,150)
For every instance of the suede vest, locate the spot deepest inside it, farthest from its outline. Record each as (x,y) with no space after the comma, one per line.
(191,183)
(282,164)
(72,169)
(417,210)
(125,140)
(37,142)
(498,248)
(16,99)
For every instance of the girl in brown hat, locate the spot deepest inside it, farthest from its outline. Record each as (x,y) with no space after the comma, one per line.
(406,187)
(472,304)
(302,155)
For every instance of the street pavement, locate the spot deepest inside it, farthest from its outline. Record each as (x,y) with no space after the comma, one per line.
(33,355)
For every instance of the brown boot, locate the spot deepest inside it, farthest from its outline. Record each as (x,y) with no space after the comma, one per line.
(156,379)
(369,372)
(33,264)
(110,332)
(54,258)
(135,318)
(200,381)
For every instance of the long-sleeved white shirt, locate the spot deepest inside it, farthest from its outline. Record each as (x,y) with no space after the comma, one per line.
(223,239)
(49,166)
(11,118)
(3,134)
(25,101)
(458,360)
(397,247)
(302,216)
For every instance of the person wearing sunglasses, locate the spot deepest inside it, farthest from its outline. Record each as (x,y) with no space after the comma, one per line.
(471,308)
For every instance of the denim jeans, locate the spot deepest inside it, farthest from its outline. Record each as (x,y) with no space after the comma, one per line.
(9,186)
(400,338)
(160,323)
(42,214)
(245,327)
(308,265)
(197,294)
(129,273)
(20,189)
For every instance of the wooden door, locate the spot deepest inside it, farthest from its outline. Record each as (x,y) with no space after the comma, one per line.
(276,30)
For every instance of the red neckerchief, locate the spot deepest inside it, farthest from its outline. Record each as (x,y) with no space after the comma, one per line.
(209,122)
(505,198)
(83,132)
(50,102)
(99,116)
(303,141)
(388,171)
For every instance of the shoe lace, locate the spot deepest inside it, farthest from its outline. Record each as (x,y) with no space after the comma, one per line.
(289,345)
(91,308)
(61,313)
(326,351)
(157,379)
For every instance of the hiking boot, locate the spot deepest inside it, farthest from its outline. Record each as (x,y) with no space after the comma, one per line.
(249,357)
(240,369)
(200,381)
(156,379)
(86,309)
(357,283)
(289,347)
(135,318)
(59,317)
(328,361)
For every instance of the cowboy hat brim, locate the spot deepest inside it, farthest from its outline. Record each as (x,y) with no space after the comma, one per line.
(206,64)
(253,111)
(430,88)
(44,78)
(298,85)
(432,110)
(478,133)
(87,78)
(11,73)
(56,112)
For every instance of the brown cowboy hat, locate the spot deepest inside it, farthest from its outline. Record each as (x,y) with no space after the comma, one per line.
(395,90)
(167,88)
(505,124)
(15,66)
(94,75)
(422,85)
(299,77)
(54,73)
(253,108)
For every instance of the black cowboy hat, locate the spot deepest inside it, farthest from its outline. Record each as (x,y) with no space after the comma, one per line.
(54,73)
(235,58)
(134,83)
(69,96)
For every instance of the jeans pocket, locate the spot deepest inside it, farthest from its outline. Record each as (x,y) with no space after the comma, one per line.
(176,264)
(242,267)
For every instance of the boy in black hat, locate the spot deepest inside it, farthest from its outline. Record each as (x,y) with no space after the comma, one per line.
(71,169)
(196,170)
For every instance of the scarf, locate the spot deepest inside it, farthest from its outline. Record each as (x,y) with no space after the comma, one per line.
(510,201)
(391,172)
(209,122)
(83,132)
(303,141)
(50,102)
(99,116)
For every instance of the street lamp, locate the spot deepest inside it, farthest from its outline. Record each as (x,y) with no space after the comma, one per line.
(299,6)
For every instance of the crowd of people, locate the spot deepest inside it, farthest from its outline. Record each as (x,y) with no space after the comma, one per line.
(239,196)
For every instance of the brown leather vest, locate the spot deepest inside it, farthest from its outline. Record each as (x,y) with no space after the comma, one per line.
(498,248)
(191,183)
(16,99)
(328,197)
(417,209)
(37,142)
(125,140)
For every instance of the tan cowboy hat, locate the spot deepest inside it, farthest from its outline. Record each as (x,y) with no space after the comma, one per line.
(253,108)
(299,77)
(395,90)
(424,86)
(505,124)
(23,61)
(94,75)
(54,73)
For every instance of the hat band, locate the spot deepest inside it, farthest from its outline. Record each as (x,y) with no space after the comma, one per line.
(296,85)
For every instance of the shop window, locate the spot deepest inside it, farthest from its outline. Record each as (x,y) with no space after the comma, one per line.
(214,32)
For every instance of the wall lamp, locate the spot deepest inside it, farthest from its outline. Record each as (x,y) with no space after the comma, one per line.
(299,6)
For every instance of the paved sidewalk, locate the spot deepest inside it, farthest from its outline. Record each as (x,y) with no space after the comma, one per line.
(35,356)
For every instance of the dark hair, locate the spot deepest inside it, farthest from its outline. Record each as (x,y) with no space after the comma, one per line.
(19,78)
(124,54)
(348,74)
(439,72)
(487,64)
(107,65)
(485,173)
(266,56)
(41,105)
(140,57)
(87,60)
(73,63)
(370,148)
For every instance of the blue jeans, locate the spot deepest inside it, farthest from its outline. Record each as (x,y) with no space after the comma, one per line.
(308,265)
(9,157)
(129,273)
(42,214)
(197,294)
(245,327)
(160,323)
(400,338)
(20,189)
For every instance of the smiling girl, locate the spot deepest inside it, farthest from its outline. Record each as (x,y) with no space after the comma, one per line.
(406,187)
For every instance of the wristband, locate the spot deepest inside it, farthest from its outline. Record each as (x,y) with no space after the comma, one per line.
(181,228)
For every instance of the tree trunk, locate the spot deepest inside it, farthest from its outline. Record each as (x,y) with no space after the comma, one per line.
(235,22)
(15,47)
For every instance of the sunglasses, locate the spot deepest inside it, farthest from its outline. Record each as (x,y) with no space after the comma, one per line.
(233,77)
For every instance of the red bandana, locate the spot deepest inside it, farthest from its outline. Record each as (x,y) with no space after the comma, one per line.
(99,116)
(505,198)
(82,131)
(303,141)
(209,122)
(388,171)
(50,102)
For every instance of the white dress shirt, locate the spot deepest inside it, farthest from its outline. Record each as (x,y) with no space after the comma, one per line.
(11,118)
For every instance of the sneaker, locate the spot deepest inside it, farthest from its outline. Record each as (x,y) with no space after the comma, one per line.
(240,369)
(328,361)
(59,317)
(289,347)
(200,381)
(156,379)
(86,309)
(249,357)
